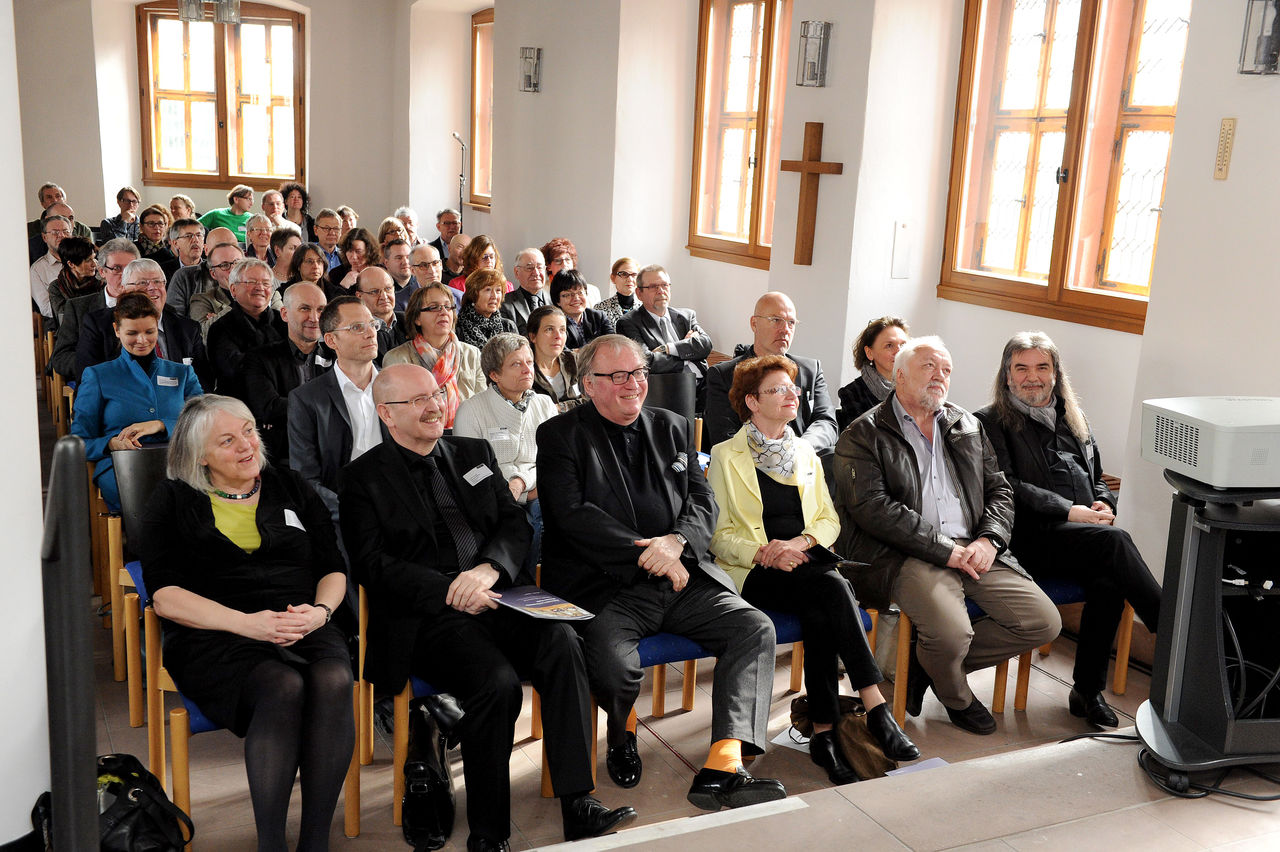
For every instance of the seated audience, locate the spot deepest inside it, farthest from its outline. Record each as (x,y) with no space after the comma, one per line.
(1064,513)
(409,218)
(873,354)
(309,264)
(235,216)
(427,268)
(924,505)
(182,207)
(555,370)
(46,268)
(77,277)
(507,415)
(113,258)
(250,322)
(434,546)
(560,254)
(455,365)
(153,239)
(284,242)
(186,240)
(272,371)
(623,276)
(48,195)
(455,262)
(36,245)
(528,296)
(273,209)
(258,238)
(376,290)
(209,305)
(675,341)
(297,210)
(328,226)
(133,401)
(358,251)
(244,571)
(390,229)
(774,506)
(479,319)
(569,294)
(480,253)
(395,259)
(350,218)
(449,225)
(125,223)
(628,517)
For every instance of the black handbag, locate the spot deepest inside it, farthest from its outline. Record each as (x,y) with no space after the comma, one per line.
(428,810)
(134,814)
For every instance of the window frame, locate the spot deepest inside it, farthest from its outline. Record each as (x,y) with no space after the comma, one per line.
(772,85)
(1055,299)
(481,133)
(226,96)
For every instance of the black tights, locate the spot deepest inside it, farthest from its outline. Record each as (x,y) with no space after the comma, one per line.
(299,720)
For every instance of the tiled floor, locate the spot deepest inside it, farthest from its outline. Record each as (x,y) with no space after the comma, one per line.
(1003,795)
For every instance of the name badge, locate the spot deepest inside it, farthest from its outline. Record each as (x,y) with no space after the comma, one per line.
(499,433)
(291,519)
(187,361)
(167,381)
(477,474)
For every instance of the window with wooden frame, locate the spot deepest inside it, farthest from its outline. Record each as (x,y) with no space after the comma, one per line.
(742,69)
(1064,119)
(481,176)
(221,103)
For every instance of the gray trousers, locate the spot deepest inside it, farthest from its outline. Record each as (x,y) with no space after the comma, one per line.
(949,646)
(736,633)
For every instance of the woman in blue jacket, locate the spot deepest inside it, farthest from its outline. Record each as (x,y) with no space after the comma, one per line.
(133,401)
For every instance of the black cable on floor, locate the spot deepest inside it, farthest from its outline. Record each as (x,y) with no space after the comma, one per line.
(1179,784)
(1098,735)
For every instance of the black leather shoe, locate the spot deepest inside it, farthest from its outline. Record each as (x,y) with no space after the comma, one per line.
(623,762)
(484,844)
(1094,708)
(825,751)
(975,718)
(713,789)
(586,817)
(895,744)
(918,681)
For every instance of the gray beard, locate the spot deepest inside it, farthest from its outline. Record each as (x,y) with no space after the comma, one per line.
(931,403)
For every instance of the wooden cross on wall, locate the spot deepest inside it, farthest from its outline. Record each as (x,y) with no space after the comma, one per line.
(810,168)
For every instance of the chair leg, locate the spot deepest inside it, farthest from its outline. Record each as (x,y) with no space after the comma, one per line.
(1124,639)
(366,756)
(114,568)
(365,735)
(1002,684)
(901,668)
(351,799)
(133,656)
(399,751)
(180,733)
(155,698)
(797,667)
(535,723)
(659,691)
(1046,648)
(875,625)
(1024,680)
(690,684)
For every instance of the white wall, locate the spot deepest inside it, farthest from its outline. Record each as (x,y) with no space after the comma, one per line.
(24,714)
(116,62)
(1211,324)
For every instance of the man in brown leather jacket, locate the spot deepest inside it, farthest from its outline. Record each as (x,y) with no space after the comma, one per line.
(923,501)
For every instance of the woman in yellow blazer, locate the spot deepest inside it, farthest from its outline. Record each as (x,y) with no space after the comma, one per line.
(774,506)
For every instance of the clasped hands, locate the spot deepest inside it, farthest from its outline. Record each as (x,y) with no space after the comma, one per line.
(783,555)
(974,559)
(1098,513)
(661,558)
(130,436)
(470,591)
(286,627)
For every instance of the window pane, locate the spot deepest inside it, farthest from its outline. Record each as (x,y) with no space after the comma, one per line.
(730,186)
(1062,57)
(254,79)
(745,34)
(1022,57)
(200,45)
(255,138)
(282,139)
(171,136)
(1137,209)
(1044,207)
(204,137)
(168,49)
(482,112)
(282,66)
(1007,196)
(1158,72)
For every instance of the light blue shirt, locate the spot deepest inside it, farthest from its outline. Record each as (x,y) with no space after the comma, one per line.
(939,501)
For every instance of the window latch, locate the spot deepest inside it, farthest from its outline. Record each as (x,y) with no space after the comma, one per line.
(1061,175)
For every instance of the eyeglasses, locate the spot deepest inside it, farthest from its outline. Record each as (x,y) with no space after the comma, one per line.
(113,269)
(660,285)
(779,320)
(427,265)
(150,284)
(58,232)
(541,266)
(224,266)
(328,229)
(434,309)
(259,230)
(420,402)
(621,377)
(257,285)
(626,276)
(361,327)
(383,291)
(780,389)
(450,223)
(131,201)
(191,236)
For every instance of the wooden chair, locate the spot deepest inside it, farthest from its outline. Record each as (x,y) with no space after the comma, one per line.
(1063,592)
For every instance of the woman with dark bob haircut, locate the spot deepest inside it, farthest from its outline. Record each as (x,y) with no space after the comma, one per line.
(775,506)
(873,354)
(297,209)
(359,250)
(569,294)
(243,567)
(479,319)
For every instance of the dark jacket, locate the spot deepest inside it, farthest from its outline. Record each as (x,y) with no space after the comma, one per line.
(169,263)
(518,304)
(568,369)
(236,334)
(815,417)
(390,535)
(96,342)
(640,326)
(67,340)
(594,324)
(270,373)
(856,399)
(878,497)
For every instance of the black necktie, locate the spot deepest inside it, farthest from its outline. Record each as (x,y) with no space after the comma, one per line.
(464,537)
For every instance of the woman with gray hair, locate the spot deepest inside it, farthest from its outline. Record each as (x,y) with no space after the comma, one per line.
(242,564)
(508,415)
(257,243)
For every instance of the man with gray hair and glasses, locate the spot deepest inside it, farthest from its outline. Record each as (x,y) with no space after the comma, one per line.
(531,275)
(249,323)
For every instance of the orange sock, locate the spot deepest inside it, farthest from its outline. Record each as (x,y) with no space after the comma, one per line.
(725,755)
(631,722)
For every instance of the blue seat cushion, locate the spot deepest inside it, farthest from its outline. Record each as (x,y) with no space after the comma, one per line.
(1061,591)
(135,573)
(420,687)
(663,648)
(199,722)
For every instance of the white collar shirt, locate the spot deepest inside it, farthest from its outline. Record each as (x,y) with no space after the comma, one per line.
(363,414)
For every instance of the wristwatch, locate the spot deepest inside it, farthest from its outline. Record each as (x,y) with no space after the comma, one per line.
(328,612)
(684,542)
(997,541)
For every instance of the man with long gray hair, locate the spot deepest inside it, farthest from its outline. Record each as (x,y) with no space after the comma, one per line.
(1064,513)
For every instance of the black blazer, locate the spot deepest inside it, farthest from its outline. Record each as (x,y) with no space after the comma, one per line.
(437,244)
(588,549)
(594,324)
(856,399)
(517,305)
(234,335)
(67,340)
(390,535)
(640,326)
(331,282)
(815,417)
(96,343)
(270,373)
(164,256)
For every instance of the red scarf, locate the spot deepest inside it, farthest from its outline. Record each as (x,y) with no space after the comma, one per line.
(443,364)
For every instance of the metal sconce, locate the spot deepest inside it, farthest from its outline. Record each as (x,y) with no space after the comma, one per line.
(811,67)
(1260,50)
(530,69)
(190,10)
(227,12)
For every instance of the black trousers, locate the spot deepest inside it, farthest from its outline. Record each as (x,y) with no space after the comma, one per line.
(831,625)
(1105,563)
(481,660)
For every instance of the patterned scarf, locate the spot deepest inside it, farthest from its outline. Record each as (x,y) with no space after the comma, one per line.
(475,329)
(774,456)
(443,364)
(1047,415)
(876,383)
(72,286)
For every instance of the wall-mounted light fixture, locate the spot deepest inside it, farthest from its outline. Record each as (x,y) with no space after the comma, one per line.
(530,69)
(227,12)
(811,67)
(190,10)
(1260,51)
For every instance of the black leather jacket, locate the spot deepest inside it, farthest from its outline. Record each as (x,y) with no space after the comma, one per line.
(878,497)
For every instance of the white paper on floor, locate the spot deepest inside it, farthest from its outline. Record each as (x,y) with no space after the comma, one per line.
(931,763)
(784,739)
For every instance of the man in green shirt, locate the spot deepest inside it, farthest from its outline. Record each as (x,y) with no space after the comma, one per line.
(235,216)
